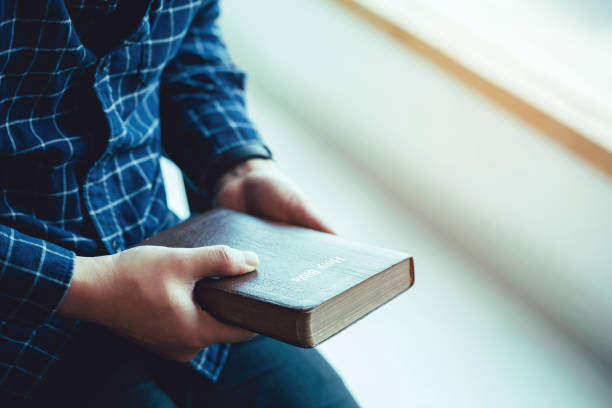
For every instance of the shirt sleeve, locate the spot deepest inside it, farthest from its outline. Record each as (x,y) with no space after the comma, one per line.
(34,277)
(205,127)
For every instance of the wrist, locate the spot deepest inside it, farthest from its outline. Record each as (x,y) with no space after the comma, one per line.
(86,293)
(241,170)
(229,159)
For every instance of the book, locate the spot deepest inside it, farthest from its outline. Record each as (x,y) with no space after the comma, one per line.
(308,285)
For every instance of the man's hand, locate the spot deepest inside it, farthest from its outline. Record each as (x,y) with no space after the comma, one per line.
(258,187)
(146,294)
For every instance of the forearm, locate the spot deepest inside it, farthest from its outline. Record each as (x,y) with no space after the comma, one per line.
(35,277)
(205,127)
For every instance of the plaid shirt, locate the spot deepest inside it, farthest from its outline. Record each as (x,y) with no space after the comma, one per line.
(91,91)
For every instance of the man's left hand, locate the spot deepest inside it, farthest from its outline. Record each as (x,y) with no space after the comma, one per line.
(258,187)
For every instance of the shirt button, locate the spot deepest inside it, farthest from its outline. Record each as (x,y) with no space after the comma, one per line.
(104,64)
(115,245)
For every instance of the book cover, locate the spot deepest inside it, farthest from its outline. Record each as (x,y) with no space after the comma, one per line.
(308,285)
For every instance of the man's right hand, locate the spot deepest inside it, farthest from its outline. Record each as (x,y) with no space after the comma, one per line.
(146,294)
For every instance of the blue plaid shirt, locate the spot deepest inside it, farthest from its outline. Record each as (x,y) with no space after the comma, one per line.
(91,91)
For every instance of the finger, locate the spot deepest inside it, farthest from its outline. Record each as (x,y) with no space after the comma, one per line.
(304,216)
(217,332)
(318,224)
(222,260)
(232,334)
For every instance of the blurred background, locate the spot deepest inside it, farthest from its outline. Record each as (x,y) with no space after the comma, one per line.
(475,137)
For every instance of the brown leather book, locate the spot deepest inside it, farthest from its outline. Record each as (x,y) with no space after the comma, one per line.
(308,286)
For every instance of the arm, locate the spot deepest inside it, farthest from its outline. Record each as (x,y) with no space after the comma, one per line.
(204,120)
(205,128)
(207,133)
(34,277)
(144,293)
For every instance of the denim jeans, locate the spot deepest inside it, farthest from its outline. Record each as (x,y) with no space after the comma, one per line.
(259,373)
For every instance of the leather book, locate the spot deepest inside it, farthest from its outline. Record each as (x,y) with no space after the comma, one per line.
(308,285)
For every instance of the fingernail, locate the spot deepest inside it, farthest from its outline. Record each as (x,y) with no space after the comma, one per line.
(251,258)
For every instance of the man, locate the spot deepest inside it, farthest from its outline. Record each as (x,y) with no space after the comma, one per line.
(91,91)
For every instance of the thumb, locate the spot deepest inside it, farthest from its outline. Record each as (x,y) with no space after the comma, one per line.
(222,260)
